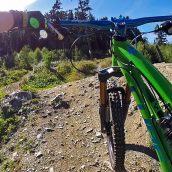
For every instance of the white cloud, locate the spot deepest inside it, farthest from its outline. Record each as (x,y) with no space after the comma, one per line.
(14,4)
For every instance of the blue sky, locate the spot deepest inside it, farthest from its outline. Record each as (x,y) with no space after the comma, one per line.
(101,8)
(109,8)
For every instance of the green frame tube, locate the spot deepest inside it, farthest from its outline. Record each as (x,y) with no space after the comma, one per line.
(134,67)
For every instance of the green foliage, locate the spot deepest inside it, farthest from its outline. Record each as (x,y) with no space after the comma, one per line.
(25,144)
(2,157)
(45,50)
(104,63)
(8,126)
(86,66)
(74,76)
(148,51)
(167,52)
(47,58)
(42,80)
(24,60)
(8,165)
(11,76)
(64,68)
(2,94)
(37,56)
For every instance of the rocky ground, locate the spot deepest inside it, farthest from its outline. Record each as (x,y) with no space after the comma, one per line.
(61,133)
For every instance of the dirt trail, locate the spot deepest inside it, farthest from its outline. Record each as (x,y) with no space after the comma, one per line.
(68,139)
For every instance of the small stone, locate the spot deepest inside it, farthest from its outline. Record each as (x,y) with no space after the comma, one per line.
(59,127)
(82,167)
(96,140)
(99,134)
(49,113)
(39,136)
(90,85)
(89,130)
(51,169)
(15,156)
(49,129)
(44,115)
(96,87)
(38,154)
(56,117)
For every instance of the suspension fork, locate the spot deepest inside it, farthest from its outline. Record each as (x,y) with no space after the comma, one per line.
(104,108)
(103,76)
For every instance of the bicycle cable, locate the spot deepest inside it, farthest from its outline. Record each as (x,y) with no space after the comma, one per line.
(143,33)
(69,56)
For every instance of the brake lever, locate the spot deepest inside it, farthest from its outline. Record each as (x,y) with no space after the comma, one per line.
(60,36)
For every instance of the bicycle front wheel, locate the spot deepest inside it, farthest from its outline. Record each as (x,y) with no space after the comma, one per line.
(115,129)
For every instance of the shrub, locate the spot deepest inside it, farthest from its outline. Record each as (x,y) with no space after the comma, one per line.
(47,60)
(167,52)
(37,56)
(104,63)
(74,76)
(2,94)
(7,127)
(64,68)
(41,79)
(24,60)
(86,66)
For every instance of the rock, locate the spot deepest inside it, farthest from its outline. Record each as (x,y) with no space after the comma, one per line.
(89,130)
(82,168)
(51,169)
(15,156)
(90,85)
(49,112)
(13,102)
(49,129)
(99,135)
(58,102)
(96,140)
(60,126)
(39,136)
(38,154)
(44,115)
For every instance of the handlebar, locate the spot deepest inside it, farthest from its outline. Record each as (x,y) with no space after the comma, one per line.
(119,25)
(106,24)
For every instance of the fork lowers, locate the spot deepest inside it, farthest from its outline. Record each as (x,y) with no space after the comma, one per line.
(113,110)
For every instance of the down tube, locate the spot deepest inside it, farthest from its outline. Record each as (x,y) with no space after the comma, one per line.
(165,163)
(127,53)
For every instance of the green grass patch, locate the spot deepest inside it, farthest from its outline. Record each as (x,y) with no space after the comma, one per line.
(64,68)
(45,79)
(42,80)
(7,127)
(87,66)
(8,165)
(10,76)
(2,94)
(104,63)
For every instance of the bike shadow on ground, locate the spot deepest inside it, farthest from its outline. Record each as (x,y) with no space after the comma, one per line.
(140,148)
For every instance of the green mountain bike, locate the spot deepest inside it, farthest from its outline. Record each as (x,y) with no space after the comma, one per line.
(151,90)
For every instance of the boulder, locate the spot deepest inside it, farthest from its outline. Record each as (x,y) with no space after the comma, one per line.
(13,102)
(58,102)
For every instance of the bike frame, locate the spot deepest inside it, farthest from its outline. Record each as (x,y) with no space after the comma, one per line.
(140,74)
(135,67)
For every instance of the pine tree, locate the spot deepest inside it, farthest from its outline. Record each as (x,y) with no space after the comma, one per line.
(161,37)
(70,15)
(82,12)
(56,13)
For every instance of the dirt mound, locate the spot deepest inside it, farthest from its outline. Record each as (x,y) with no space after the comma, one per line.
(62,133)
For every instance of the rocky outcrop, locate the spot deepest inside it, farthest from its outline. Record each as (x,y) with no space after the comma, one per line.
(13,102)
